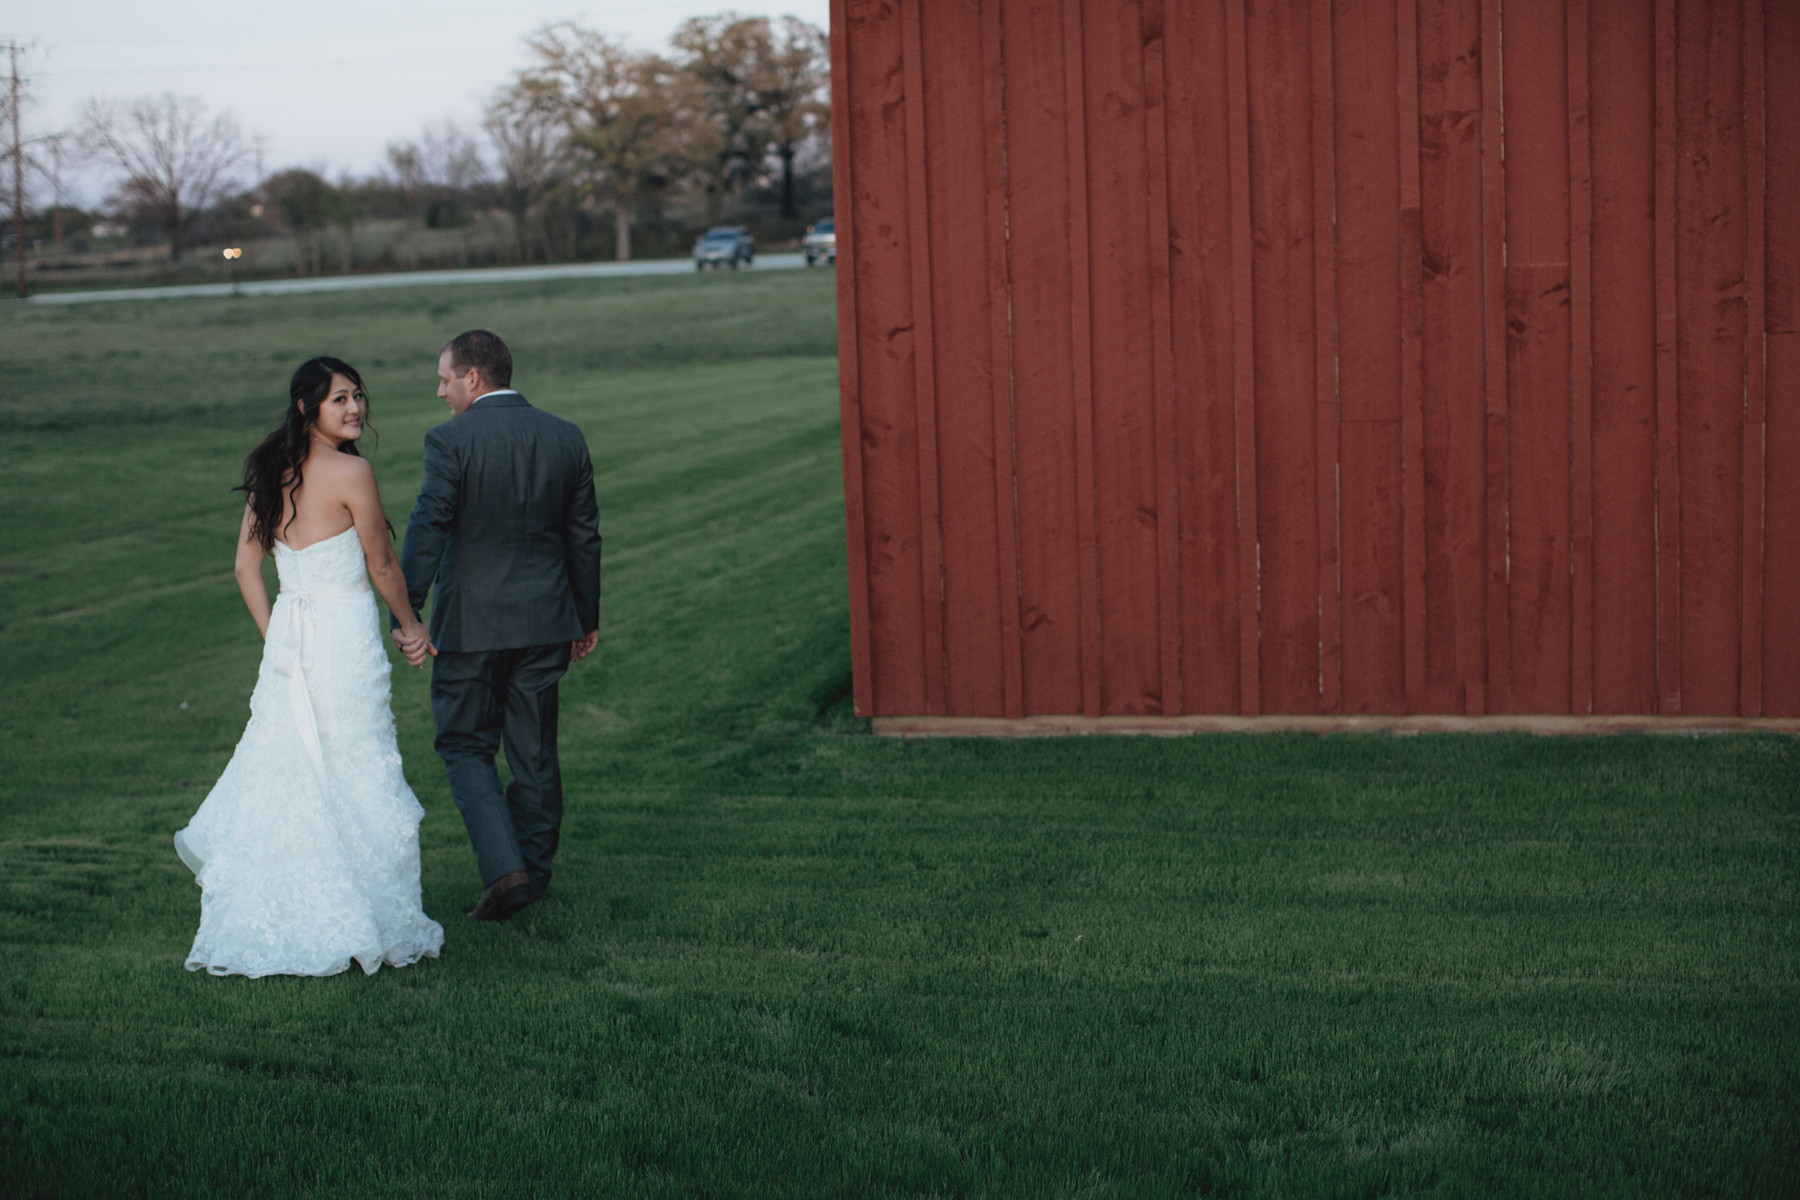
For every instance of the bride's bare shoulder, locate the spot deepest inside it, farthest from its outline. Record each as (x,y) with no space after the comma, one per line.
(342,468)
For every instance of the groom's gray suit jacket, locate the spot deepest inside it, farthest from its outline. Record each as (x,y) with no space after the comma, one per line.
(506,530)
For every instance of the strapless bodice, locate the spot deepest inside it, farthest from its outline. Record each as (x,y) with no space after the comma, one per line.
(334,565)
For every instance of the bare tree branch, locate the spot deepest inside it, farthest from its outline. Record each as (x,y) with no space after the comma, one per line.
(176,159)
(528,139)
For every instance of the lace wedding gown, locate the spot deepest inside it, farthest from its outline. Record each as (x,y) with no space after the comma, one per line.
(307,849)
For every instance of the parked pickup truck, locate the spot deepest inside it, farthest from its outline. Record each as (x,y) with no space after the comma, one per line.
(821,242)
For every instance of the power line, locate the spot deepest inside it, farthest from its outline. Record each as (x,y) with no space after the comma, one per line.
(482,21)
(312,65)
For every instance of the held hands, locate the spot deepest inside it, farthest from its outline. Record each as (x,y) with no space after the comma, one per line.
(415,644)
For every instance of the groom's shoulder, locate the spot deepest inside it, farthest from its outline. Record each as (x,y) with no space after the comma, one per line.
(449,433)
(558,426)
(505,422)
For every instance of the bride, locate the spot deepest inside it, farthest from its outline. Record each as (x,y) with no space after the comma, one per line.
(307,849)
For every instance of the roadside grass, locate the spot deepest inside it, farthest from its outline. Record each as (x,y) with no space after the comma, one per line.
(783,957)
(229,358)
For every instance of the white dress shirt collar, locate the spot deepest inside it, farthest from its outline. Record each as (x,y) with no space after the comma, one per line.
(495,392)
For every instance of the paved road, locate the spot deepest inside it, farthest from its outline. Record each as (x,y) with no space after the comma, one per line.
(357,283)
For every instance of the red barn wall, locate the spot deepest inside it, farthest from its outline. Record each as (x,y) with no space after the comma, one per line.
(1315,357)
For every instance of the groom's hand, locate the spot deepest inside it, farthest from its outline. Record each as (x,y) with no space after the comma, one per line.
(416,649)
(582,647)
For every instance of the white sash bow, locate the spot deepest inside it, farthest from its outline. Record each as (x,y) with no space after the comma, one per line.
(294,659)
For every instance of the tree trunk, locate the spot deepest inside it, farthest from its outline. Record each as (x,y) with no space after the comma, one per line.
(787,182)
(175,223)
(622,232)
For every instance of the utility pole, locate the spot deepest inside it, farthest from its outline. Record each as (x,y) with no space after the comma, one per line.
(18,164)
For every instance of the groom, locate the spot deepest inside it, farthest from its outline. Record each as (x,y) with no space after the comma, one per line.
(506,529)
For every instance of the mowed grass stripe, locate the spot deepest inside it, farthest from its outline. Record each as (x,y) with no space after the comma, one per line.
(783,957)
(95,365)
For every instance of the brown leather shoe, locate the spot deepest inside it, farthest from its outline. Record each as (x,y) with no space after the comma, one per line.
(503,897)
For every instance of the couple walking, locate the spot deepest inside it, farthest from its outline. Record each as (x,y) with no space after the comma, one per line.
(307,849)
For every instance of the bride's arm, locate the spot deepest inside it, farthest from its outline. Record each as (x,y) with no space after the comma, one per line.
(250,555)
(364,501)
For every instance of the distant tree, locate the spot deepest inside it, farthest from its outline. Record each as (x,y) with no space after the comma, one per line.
(628,118)
(62,152)
(528,139)
(343,206)
(763,85)
(723,56)
(450,165)
(407,171)
(231,221)
(304,201)
(175,157)
(791,81)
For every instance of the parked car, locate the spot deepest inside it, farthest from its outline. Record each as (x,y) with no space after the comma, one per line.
(724,245)
(821,242)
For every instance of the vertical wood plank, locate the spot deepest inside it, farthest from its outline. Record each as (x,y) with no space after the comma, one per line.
(1281,197)
(1116,243)
(1412,361)
(1324,130)
(1493,267)
(1202,287)
(1044,412)
(1710,340)
(1756,369)
(1081,345)
(1244,364)
(1622,246)
(1371,383)
(965,392)
(1537,306)
(1581,327)
(999,288)
(890,432)
(849,396)
(1450,71)
(924,374)
(1781,320)
(1668,440)
(1162,336)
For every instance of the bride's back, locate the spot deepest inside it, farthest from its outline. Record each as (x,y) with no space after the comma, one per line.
(318,507)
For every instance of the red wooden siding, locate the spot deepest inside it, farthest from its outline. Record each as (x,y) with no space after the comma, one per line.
(1310,356)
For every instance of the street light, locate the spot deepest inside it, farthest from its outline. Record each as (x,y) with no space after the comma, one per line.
(232,254)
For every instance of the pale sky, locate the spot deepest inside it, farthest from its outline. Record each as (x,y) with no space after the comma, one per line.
(328,83)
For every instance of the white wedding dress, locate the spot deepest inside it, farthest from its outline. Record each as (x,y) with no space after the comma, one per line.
(307,849)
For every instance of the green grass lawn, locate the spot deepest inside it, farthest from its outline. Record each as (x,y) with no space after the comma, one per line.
(783,957)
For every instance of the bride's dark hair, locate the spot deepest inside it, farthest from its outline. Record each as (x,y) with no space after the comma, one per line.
(272,471)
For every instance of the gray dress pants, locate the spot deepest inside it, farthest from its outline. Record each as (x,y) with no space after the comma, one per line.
(480,699)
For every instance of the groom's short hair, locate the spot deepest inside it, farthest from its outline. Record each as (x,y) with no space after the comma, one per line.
(482,351)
